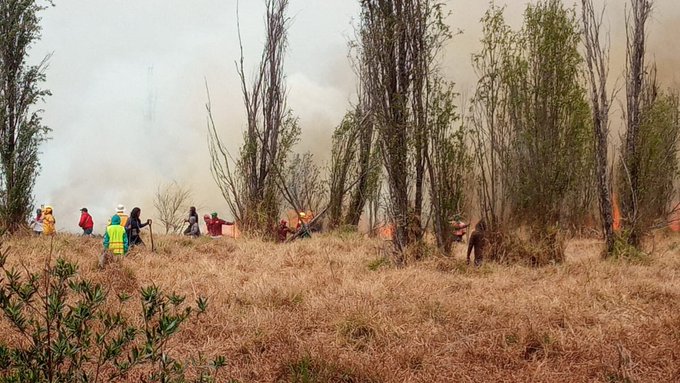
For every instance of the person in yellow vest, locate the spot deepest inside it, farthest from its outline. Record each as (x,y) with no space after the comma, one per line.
(115,240)
(120,211)
(49,222)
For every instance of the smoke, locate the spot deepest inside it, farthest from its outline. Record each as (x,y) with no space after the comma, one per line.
(128,83)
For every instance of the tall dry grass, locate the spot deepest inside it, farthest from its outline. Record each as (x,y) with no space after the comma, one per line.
(330,309)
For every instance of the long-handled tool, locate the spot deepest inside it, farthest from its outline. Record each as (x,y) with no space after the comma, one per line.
(153,249)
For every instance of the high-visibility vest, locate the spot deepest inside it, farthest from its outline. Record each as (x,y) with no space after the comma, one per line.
(116,239)
(123,219)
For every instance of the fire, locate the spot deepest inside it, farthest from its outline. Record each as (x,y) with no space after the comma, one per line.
(674,221)
(385,231)
(231,231)
(617,213)
(293,218)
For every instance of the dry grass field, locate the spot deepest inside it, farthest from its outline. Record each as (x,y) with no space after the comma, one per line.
(330,309)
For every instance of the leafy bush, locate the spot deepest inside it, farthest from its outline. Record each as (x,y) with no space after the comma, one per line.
(68,330)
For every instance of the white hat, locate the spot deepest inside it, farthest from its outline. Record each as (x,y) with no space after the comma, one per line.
(120,208)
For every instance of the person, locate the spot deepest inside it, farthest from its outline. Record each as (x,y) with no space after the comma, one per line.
(301,227)
(37,223)
(459,228)
(206,219)
(478,243)
(215,225)
(134,227)
(115,240)
(120,211)
(193,230)
(49,222)
(189,229)
(283,231)
(86,223)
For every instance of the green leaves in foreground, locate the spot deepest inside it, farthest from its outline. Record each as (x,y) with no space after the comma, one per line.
(68,330)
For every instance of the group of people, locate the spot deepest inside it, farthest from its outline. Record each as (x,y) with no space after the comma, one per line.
(212,222)
(43,223)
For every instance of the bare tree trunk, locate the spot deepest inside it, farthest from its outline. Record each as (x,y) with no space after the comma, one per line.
(252,187)
(597,59)
(366,145)
(635,74)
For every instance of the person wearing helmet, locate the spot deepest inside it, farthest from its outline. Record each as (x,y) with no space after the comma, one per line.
(459,228)
(49,222)
(301,227)
(283,231)
(120,211)
(215,225)
(115,240)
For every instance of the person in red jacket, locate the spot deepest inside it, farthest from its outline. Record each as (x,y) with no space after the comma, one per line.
(283,231)
(215,225)
(86,222)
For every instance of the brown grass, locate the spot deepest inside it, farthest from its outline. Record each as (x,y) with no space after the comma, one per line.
(330,310)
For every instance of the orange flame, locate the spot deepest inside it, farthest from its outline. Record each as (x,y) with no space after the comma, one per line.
(293,218)
(231,231)
(674,221)
(385,231)
(617,213)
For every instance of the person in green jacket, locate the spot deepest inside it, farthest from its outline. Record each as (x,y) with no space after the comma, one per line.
(115,240)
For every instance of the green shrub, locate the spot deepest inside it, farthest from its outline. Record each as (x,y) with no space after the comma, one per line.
(64,328)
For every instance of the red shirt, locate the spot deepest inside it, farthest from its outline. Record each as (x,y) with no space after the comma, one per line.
(283,232)
(86,221)
(215,226)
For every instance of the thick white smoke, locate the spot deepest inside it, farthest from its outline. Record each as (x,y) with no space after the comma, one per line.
(129,93)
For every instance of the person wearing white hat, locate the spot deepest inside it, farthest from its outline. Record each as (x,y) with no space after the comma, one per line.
(120,211)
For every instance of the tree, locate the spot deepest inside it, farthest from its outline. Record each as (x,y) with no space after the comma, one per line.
(303,179)
(21,127)
(398,42)
(448,162)
(550,117)
(597,60)
(252,187)
(354,167)
(531,130)
(170,202)
(658,137)
(636,37)
(490,130)
(342,166)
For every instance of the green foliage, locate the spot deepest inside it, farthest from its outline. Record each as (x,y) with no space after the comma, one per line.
(21,127)
(623,250)
(303,179)
(490,131)
(550,117)
(70,330)
(532,126)
(448,162)
(656,160)
(354,168)
(378,263)
(252,184)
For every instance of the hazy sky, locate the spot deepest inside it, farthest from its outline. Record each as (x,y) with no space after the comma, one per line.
(128,82)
